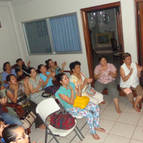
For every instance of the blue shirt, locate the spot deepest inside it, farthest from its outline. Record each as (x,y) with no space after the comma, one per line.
(5,74)
(44,78)
(67,92)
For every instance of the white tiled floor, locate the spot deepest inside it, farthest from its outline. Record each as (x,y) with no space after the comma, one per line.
(124,128)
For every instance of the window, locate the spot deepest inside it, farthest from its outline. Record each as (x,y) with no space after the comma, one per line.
(58,34)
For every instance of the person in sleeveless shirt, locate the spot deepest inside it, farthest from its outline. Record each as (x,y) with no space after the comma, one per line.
(129,80)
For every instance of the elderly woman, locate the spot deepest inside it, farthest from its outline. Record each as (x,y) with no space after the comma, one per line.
(66,95)
(84,83)
(130,73)
(105,75)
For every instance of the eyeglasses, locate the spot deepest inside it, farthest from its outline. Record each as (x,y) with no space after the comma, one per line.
(22,138)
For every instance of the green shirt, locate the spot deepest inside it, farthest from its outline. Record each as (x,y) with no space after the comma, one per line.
(67,92)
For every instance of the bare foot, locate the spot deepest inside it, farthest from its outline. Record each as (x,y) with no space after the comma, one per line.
(95,136)
(42,126)
(100,130)
(103,102)
(118,111)
(137,109)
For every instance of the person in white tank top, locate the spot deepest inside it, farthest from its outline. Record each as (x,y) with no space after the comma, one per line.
(129,80)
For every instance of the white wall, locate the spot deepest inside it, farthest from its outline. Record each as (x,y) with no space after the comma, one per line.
(26,10)
(9,47)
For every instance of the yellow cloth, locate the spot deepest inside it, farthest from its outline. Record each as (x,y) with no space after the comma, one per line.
(81,101)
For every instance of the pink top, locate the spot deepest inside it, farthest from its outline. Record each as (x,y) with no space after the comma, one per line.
(105,77)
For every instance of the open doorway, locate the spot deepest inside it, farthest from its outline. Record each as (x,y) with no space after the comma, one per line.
(103,34)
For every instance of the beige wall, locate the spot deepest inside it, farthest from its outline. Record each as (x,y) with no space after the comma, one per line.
(26,10)
(9,45)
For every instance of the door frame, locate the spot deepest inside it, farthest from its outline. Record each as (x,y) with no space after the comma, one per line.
(87,35)
(137,28)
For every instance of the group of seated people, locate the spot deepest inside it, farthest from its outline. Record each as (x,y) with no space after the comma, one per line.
(26,80)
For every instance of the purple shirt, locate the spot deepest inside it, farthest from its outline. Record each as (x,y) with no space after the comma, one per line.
(5,74)
(105,77)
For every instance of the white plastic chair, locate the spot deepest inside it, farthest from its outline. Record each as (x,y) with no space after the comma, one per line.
(47,107)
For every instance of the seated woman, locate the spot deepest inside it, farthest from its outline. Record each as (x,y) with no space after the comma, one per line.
(15,134)
(130,73)
(21,65)
(16,92)
(66,96)
(7,70)
(2,126)
(105,75)
(80,81)
(46,76)
(52,66)
(8,118)
(20,75)
(35,85)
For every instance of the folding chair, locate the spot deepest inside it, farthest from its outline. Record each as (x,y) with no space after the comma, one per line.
(47,107)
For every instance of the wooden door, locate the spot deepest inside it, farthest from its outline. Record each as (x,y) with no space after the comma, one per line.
(140,31)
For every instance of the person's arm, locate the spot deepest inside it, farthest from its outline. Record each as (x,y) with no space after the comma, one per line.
(113,74)
(34,90)
(3,100)
(26,87)
(67,99)
(51,75)
(12,96)
(63,66)
(139,69)
(123,76)
(97,72)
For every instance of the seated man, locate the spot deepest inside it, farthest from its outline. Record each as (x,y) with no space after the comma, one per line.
(129,82)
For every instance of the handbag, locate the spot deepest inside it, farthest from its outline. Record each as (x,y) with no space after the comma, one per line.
(28,120)
(81,101)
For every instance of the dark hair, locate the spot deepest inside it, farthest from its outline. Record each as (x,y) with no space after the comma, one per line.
(47,62)
(39,67)
(30,69)
(8,133)
(1,120)
(9,76)
(4,65)
(17,70)
(59,78)
(73,64)
(102,57)
(19,59)
(125,55)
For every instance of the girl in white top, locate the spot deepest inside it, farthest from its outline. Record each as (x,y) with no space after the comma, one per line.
(130,73)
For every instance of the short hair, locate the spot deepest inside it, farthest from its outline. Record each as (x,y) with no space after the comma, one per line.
(125,55)
(73,64)
(8,133)
(102,57)
(4,65)
(9,76)
(19,59)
